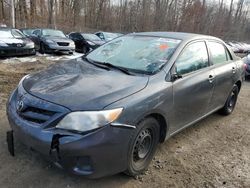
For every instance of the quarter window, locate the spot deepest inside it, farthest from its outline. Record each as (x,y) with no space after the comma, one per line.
(193,58)
(218,53)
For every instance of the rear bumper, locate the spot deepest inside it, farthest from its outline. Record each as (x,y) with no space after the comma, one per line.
(95,154)
(7,52)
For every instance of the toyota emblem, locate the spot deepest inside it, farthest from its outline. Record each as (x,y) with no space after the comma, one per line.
(20,106)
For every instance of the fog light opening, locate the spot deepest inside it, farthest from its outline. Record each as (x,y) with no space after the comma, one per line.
(83,166)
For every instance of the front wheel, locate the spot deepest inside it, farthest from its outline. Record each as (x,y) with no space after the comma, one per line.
(42,48)
(143,146)
(231,102)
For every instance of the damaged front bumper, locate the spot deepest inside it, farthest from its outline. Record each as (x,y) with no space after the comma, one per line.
(94,154)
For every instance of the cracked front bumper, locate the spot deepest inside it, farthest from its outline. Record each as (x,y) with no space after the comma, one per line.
(94,154)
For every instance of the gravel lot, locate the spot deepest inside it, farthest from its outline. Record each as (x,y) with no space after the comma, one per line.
(213,153)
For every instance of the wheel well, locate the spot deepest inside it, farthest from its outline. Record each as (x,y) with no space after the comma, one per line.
(163,125)
(238,83)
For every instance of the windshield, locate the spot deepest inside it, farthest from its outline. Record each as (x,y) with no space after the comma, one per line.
(90,37)
(52,33)
(17,33)
(137,53)
(11,34)
(28,31)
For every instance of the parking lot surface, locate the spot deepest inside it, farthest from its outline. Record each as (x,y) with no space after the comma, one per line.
(212,153)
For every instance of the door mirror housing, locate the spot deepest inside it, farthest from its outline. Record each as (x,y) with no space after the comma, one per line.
(175,76)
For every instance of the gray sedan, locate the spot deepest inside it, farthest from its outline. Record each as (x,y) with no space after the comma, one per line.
(247,65)
(107,111)
(50,41)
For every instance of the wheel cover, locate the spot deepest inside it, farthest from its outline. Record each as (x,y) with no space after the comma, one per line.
(232,101)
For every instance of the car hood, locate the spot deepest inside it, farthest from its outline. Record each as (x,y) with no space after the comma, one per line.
(78,85)
(14,41)
(57,39)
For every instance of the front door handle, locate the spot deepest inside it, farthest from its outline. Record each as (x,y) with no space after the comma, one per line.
(211,78)
(233,70)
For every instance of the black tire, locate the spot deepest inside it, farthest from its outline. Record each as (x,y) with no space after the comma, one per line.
(42,48)
(142,147)
(231,102)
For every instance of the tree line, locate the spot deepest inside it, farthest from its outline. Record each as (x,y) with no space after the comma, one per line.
(228,19)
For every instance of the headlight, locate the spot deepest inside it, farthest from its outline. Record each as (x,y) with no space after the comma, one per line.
(3,44)
(30,45)
(72,44)
(91,43)
(89,120)
(50,42)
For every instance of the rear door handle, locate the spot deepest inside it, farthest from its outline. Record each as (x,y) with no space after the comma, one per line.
(233,70)
(211,78)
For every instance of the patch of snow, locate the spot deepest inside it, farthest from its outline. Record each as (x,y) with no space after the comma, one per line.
(20,60)
(64,57)
(50,57)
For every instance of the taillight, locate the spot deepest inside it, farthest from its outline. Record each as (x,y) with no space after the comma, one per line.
(245,66)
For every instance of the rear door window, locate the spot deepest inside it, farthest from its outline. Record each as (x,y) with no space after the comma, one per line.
(218,53)
(194,57)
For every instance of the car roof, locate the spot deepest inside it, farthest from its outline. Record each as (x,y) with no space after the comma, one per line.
(28,28)
(46,29)
(86,33)
(176,35)
(5,28)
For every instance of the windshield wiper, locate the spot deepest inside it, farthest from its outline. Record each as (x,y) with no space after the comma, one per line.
(122,69)
(97,64)
(107,66)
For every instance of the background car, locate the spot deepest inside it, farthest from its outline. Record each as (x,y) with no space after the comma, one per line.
(27,32)
(105,36)
(233,47)
(85,42)
(246,47)
(50,40)
(247,65)
(13,42)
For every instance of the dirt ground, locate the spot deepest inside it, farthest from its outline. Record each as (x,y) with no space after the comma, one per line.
(213,153)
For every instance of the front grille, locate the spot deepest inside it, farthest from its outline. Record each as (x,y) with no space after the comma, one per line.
(36,115)
(63,43)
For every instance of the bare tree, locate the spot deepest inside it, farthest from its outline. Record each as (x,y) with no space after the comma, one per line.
(51,13)
(229,21)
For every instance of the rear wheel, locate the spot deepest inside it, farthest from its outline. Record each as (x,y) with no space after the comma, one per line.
(143,146)
(231,102)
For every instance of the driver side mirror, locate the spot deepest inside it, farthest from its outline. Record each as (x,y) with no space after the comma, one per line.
(175,76)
